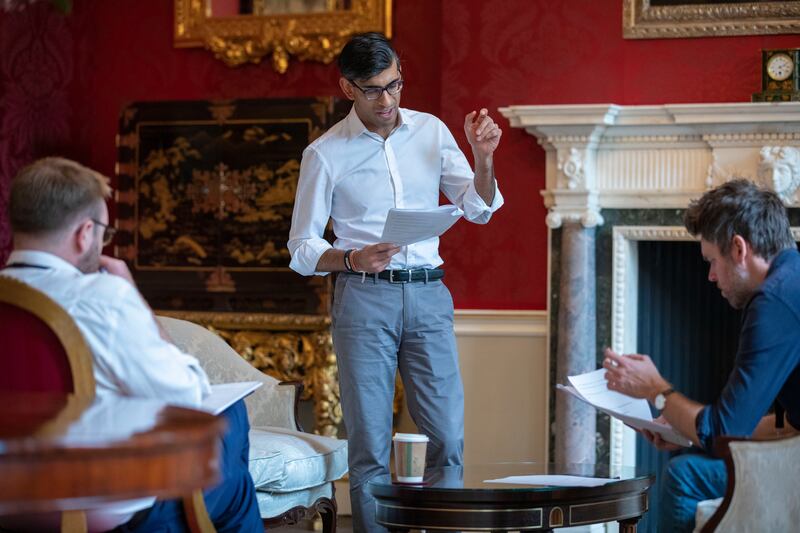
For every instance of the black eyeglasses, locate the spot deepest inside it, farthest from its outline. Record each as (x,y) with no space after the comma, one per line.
(373,93)
(108,232)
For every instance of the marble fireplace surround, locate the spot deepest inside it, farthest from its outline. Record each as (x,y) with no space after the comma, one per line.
(637,166)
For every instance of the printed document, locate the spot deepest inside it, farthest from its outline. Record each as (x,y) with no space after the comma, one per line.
(223,395)
(592,388)
(554,481)
(407,226)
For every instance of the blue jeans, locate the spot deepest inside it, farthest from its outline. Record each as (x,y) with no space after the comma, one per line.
(231,505)
(687,479)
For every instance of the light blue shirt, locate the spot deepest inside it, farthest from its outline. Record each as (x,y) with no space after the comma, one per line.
(353,176)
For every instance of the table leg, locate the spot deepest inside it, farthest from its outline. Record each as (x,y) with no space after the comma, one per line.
(628,525)
(73,522)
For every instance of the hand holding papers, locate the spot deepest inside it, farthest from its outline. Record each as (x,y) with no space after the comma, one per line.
(592,389)
(407,226)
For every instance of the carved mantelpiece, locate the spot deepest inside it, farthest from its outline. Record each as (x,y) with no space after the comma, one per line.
(605,156)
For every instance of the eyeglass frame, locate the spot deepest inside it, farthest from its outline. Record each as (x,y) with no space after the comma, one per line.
(399,81)
(108,231)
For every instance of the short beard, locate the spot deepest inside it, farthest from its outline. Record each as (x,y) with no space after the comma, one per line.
(89,263)
(739,293)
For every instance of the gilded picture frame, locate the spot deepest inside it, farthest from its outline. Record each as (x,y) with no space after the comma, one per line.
(237,40)
(660,19)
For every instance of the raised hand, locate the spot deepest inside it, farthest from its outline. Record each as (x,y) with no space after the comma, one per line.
(482,133)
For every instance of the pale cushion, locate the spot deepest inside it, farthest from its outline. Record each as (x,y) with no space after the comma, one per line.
(705,510)
(266,465)
(309,460)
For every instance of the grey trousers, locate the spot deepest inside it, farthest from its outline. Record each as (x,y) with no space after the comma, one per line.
(379,327)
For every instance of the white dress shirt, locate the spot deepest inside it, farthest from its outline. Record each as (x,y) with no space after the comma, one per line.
(130,357)
(353,176)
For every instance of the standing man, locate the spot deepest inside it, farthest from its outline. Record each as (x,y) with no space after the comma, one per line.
(391,309)
(753,259)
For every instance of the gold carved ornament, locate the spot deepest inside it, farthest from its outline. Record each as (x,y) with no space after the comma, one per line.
(248,38)
(642,20)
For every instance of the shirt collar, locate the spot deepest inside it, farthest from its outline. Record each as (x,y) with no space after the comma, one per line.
(39,258)
(355,127)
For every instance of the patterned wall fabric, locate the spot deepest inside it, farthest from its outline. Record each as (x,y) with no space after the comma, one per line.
(64,79)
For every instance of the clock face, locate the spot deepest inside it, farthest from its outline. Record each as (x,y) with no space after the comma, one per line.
(780,67)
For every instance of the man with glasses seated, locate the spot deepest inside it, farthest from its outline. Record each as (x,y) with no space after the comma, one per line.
(60,222)
(391,309)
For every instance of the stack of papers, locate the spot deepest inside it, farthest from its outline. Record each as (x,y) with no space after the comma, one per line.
(224,395)
(407,226)
(592,388)
(554,481)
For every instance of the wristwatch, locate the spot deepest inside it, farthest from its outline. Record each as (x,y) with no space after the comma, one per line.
(660,401)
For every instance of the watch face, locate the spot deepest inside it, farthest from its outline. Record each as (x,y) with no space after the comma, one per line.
(780,67)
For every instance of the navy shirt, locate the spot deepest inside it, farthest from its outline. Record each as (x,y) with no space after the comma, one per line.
(768,361)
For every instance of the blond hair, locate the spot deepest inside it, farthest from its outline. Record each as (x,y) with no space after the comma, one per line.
(51,193)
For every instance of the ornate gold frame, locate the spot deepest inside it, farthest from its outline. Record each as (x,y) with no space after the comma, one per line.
(248,38)
(640,20)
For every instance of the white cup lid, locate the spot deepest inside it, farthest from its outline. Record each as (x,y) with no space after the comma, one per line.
(410,437)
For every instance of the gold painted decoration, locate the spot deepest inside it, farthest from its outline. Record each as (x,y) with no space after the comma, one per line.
(659,19)
(316,35)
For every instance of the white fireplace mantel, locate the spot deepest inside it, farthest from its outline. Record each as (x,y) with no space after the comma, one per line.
(638,157)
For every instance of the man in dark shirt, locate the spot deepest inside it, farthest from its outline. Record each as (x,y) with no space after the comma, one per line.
(745,237)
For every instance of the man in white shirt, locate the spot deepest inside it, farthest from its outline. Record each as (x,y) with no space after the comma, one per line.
(60,222)
(391,310)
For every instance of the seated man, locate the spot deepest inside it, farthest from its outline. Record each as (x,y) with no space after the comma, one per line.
(753,259)
(60,223)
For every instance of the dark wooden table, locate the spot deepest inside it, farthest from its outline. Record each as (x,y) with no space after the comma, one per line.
(457,498)
(61,453)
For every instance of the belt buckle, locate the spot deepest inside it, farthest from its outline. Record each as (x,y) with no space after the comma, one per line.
(391,276)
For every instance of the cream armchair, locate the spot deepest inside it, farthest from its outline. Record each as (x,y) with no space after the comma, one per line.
(763,483)
(293,471)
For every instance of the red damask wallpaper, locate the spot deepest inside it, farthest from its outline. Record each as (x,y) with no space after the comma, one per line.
(64,78)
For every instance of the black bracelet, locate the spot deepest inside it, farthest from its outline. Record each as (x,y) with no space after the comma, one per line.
(347,264)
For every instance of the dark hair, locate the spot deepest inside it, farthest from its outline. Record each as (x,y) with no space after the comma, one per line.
(49,194)
(366,55)
(739,207)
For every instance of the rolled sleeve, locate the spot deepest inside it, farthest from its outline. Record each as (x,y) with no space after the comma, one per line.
(458,182)
(763,364)
(312,208)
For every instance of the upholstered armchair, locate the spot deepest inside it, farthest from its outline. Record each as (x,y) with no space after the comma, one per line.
(763,483)
(293,471)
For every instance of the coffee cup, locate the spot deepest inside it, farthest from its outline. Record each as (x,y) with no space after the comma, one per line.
(409,457)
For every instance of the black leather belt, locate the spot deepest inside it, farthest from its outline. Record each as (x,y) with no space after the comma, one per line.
(405,275)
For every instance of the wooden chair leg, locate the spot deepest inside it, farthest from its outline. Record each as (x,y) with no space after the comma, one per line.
(73,522)
(197,518)
(328,514)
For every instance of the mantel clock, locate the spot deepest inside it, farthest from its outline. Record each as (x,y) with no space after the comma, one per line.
(780,80)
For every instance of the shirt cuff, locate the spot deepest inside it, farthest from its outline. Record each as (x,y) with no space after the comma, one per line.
(306,257)
(475,209)
(702,425)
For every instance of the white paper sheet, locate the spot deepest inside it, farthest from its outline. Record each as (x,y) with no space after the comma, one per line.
(407,226)
(592,388)
(223,395)
(553,481)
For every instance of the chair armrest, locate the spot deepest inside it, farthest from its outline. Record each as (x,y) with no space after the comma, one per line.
(270,405)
